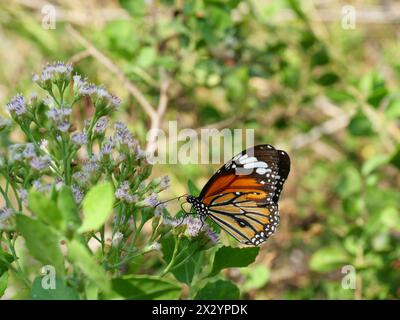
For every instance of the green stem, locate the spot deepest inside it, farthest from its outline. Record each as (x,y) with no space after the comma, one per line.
(18,270)
(6,198)
(171,263)
(89,135)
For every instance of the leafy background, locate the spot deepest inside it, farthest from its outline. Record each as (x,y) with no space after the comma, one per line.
(327,95)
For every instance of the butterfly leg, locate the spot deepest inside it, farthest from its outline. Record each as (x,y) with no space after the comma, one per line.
(202,219)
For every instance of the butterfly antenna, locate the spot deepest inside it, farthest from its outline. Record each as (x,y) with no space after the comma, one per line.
(162,202)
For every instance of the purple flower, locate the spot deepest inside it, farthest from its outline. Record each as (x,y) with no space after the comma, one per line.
(15,151)
(120,193)
(91,165)
(29,151)
(60,117)
(77,193)
(101,125)
(87,89)
(79,138)
(151,201)
(41,187)
(23,194)
(213,236)
(174,222)
(164,183)
(62,68)
(17,105)
(114,101)
(122,135)
(5,213)
(64,126)
(139,153)
(193,226)
(131,198)
(51,72)
(59,183)
(102,93)
(107,147)
(81,177)
(40,163)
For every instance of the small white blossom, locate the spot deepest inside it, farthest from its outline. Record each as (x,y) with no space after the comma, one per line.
(117,238)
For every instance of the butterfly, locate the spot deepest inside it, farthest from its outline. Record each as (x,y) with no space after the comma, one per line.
(242,196)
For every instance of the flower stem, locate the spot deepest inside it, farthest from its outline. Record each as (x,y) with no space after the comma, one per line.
(172,262)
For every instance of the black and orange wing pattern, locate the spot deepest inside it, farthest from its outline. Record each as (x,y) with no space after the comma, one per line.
(242,196)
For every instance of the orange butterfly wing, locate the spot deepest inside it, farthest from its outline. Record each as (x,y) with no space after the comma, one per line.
(242,195)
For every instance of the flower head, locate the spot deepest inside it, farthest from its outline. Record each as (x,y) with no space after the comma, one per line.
(5,213)
(122,135)
(23,194)
(107,147)
(193,226)
(40,163)
(79,138)
(17,106)
(117,238)
(101,125)
(77,193)
(29,151)
(152,200)
(53,72)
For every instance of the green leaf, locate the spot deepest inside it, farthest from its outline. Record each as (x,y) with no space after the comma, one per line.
(61,291)
(229,257)
(91,291)
(81,257)
(328,259)
(360,125)
(320,58)
(256,277)
(327,79)
(194,191)
(187,252)
(42,241)
(296,7)
(45,209)
(350,182)
(146,57)
(5,260)
(395,159)
(373,163)
(3,283)
(218,290)
(67,206)
(144,287)
(374,85)
(97,207)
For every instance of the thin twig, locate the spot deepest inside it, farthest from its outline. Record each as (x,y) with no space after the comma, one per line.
(104,60)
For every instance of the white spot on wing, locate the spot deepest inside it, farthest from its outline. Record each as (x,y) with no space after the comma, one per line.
(258,164)
(261,170)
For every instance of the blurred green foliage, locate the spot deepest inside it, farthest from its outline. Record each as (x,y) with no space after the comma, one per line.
(276,67)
